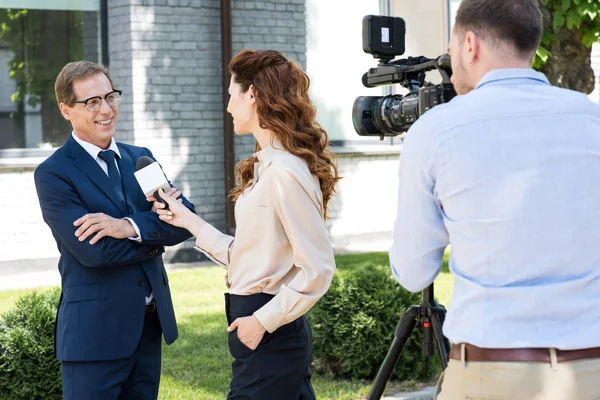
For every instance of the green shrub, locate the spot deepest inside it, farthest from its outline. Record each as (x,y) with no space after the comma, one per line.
(354,324)
(28,370)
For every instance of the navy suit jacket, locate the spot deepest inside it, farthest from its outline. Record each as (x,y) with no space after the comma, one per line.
(102,306)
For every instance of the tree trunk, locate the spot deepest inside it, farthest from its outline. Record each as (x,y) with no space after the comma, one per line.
(569,66)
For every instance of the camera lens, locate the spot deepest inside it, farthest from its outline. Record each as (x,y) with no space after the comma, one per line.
(384,116)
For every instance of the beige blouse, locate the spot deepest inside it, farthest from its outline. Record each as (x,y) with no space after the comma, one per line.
(281,245)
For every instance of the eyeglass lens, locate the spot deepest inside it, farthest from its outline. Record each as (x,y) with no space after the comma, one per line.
(112,99)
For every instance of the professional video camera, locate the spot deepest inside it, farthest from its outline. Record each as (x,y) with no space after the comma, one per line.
(384,38)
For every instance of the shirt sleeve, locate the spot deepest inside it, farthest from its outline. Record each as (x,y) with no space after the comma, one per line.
(300,213)
(420,235)
(137,238)
(214,244)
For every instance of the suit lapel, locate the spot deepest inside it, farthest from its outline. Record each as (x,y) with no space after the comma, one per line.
(130,185)
(86,164)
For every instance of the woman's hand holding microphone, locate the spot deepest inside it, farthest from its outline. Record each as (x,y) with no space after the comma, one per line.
(177,214)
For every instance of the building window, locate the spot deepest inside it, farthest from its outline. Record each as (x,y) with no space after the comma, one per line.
(336,64)
(37,38)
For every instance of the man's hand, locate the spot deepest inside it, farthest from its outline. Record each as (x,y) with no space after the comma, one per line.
(103,225)
(249,330)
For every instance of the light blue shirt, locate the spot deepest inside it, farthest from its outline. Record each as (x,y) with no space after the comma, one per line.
(509,175)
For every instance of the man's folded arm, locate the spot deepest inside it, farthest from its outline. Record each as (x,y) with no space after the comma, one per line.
(61,206)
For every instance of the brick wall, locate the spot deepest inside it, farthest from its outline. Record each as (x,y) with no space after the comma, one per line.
(120,49)
(167,54)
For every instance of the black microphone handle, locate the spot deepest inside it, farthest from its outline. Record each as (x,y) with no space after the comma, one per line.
(160,200)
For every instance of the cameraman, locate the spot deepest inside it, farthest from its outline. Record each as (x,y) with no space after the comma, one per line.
(508,173)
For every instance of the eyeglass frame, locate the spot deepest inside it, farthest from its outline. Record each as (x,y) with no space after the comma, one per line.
(99,97)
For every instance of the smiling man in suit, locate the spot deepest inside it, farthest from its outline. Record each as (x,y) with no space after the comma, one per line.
(115,303)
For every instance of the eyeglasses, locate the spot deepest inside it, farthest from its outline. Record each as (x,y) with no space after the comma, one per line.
(93,104)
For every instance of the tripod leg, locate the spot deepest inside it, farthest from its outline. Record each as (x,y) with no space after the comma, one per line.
(442,342)
(403,330)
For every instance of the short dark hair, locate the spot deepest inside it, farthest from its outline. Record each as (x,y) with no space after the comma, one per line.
(516,22)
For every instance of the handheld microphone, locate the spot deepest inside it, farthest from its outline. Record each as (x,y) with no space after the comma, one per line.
(151,178)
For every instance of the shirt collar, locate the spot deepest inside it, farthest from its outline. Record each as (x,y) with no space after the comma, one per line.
(94,150)
(504,74)
(266,155)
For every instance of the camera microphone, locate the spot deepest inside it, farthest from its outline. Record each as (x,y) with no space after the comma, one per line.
(150,177)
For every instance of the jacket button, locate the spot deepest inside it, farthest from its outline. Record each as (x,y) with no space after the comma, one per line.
(141,283)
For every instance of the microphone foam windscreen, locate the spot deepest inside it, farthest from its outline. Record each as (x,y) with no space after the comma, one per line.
(143,162)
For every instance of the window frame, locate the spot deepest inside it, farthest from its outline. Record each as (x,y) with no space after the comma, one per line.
(27,159)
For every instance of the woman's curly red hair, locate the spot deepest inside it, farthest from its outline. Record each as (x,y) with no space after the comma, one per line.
(283,107)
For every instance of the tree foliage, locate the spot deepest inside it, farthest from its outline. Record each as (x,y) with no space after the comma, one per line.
(29,35)
(580,14)
(580,17)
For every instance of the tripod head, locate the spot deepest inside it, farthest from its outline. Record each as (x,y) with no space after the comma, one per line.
(427,309)
(428,296)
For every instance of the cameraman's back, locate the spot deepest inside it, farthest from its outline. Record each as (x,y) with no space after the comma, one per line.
(508,174)
(518,178)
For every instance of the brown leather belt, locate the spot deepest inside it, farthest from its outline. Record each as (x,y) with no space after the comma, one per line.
(478,354)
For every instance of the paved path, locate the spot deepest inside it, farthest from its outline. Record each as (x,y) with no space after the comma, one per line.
(423,394)
(50,277)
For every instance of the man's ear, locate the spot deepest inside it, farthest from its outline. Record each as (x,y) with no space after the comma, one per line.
(473,44)
(65,111)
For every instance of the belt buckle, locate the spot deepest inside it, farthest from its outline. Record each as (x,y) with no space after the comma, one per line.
(151,307)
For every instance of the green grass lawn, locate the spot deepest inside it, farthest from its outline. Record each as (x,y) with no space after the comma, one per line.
(197,365)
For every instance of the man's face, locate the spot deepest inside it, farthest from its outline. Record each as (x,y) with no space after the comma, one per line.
(96,127)
(460,73)
(241,108)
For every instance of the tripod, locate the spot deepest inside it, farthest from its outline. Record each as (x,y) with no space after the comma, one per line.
(431,315)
